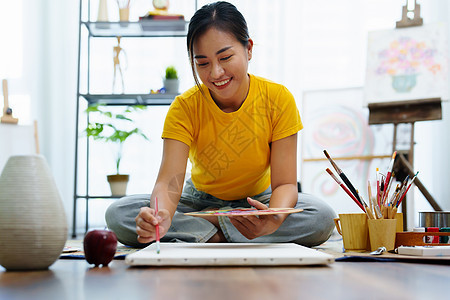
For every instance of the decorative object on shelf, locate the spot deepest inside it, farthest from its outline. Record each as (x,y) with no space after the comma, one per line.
(124,11)
(102,15)
(7,111)
(161,5)
(159,19)
(118,51)
(33,225)
(160,91)
(116,128)
(171,81)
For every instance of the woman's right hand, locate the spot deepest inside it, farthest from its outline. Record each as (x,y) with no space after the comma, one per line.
(146,222)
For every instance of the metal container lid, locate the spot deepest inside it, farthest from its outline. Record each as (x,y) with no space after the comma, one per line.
(434,219)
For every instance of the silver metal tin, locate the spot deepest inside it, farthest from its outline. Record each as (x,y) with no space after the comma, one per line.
(434,219)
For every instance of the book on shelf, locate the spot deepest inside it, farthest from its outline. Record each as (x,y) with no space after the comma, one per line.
(162,22)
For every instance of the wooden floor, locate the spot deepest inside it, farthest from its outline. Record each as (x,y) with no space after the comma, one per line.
(75,279)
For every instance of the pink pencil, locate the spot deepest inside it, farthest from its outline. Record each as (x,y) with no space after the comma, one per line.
(158,249)
(378,187)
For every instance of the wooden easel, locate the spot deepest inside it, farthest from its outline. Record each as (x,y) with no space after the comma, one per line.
(7,111)
(406,21)
(410,111)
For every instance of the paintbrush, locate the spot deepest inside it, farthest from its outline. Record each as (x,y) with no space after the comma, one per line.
(343,177)
(391,166)
(369,190)
(386,192)
(366,207)
(345,189)
(407,189)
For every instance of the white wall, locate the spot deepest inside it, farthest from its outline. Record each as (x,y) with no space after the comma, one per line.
(51,59)
(432,138)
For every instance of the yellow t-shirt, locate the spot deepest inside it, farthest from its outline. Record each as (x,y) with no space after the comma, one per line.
(230,152)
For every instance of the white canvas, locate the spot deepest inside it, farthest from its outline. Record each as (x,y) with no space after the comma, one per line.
(407,64)
(16,140)
(228,254)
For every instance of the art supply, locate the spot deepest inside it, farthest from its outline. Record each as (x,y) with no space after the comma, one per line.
(382,221)
(424,250)
(417,238)
(432,239)
(377,209)
(366,207)
(382,233)
(434,219)
(345,189)
(354,231)
(407,189)
(389,173)
(369,192)
(228,254)
(343,176)
(244,212)
(384,204)
(158,248)
(378,187)
(7,116)
(378,251)
(444,239)
(420,229)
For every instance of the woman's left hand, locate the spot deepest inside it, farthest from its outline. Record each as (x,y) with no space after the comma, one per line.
(254,226)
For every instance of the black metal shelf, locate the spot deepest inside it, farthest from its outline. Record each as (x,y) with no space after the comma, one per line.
(88,31)
(130,99)
(150,28)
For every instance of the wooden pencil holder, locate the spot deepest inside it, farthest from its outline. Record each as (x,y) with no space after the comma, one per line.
(382,233)
(354,231)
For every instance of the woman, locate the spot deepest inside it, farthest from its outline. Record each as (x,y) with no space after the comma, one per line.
(240,133)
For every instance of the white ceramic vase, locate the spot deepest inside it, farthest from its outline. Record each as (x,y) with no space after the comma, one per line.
(33,225)
(102,15)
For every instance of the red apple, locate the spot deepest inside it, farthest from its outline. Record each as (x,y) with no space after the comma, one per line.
(100,247)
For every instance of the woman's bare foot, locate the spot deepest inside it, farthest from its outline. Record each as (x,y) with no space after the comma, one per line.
(217,238)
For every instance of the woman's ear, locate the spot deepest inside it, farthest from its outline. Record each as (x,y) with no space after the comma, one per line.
(249,49)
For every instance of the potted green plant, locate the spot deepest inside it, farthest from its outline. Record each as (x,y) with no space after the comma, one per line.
(115,128)
(171,82)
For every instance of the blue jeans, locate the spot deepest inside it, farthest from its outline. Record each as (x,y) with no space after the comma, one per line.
(310,227)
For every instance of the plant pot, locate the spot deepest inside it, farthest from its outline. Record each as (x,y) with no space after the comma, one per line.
(171,85)
(33,225)
(118,184)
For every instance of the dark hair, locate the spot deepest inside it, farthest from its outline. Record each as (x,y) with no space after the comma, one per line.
(221,15)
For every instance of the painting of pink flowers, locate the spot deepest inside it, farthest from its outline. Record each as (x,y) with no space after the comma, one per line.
(407,64)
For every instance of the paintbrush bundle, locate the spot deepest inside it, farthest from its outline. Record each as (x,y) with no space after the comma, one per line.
(385,200)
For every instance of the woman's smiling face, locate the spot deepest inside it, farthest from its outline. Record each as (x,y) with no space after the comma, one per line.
(221,62)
